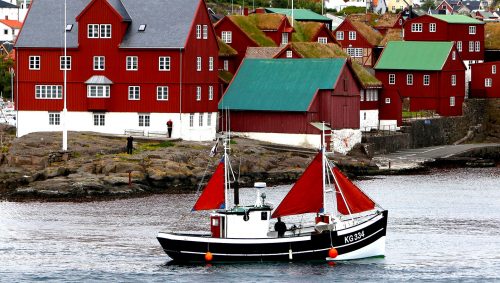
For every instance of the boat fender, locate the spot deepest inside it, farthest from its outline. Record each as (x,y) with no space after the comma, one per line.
(246,216)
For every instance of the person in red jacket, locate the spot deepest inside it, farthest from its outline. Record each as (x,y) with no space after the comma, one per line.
(169,128)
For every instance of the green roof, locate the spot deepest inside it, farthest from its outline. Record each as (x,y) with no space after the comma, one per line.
(299,14)
(414,55)
(457,19)
(280,84)
(248,24)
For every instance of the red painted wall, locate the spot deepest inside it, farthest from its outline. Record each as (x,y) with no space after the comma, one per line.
(480,72)
(447,32)
(276,35)
(325,32)
(360,42)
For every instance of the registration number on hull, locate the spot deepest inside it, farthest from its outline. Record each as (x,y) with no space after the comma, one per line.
(354,237)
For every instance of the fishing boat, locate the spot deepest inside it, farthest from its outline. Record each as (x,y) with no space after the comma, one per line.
(356,229)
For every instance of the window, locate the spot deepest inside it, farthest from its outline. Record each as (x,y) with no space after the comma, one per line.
(227,36)
(427,79)
(416,27)
(453,55)
(392,79)
(387,101)
(99,31)
(99,119)
(198,93)
(340,35)
(134,93)
(200,119)
(162,93)
(144,120)
(409,79)
(205,32)
(132,63)
(364,116)
(284,38)
(69,27)
(493,69)
(226,65)
(210,92)
(142,27)
(65,63)
(164,63)
(34,62)
(105,31)
(54,119)
(210,63)
(352,35)
(209,119)
(48,92)
(487,82)
(99,63)
(472,29)
(5,31)
(93,31)
(198,31)
(400,22)
(452,101)
(198,64)
(289,54)
(355,52)
(98,91)
(478,46)
(323,40)
(432,27)
(471,46)
(459,46)
(453,79)
(191,120)
(362,95)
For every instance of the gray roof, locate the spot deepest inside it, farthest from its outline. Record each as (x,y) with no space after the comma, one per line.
(4,4)
(99,80)
(168,23)
(472,5)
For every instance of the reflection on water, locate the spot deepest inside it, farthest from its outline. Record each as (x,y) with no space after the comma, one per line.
(442,226)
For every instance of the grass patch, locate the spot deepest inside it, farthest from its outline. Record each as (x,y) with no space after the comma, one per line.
(249,26)
(154,146)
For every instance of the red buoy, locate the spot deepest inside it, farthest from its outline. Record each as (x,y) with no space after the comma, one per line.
(209,256)
(333,253)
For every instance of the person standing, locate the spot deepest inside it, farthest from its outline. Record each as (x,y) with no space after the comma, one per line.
(130,144)
(169,128)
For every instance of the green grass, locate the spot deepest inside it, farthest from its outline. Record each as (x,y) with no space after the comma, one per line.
(154,146)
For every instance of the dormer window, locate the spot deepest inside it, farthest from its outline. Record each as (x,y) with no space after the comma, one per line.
(69,27)
(142,27)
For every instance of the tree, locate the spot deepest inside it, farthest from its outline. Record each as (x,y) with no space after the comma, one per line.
(428,4)
(6,64)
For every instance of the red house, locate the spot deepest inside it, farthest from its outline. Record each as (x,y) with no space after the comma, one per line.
(466,32)
(430,75)
(358,40)
(277,100)
(131,65)
(485,81)
(389,21)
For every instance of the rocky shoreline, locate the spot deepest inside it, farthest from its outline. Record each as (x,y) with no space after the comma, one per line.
(96,167)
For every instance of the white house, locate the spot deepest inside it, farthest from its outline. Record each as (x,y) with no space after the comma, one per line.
(8,10)
(9,29)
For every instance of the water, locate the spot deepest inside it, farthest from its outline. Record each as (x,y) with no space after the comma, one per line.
(442,227)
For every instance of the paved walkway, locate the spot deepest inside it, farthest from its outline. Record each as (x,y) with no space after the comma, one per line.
(411,158)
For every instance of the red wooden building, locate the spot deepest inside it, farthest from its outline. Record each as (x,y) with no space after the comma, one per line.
(131,65)
(389,21)
(276,100)
(485,82)
(358,40)
(430,75)
(466,32)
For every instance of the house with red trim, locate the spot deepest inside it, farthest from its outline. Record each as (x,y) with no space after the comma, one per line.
(485,81)
(448,6)
(431,78)
(131,66)
(277,100)
(358,40)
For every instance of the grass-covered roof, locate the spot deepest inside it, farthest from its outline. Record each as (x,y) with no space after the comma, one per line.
(492,36)
(393,34)
(225,76)
(225,50)
(369,19)
(373,36)
(305,31)
(387,20)
(253,25)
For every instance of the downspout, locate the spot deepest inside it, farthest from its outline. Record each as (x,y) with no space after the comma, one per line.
(180,91)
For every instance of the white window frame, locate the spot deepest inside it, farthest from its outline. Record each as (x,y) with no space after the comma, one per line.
(289,54)
(198,93)
(162,93)
(54,119)
(191,120)
(98,91)
(472,29)
(198,64)
(453,55)
(134,92)
(93,31)
(459,46)
(132,63)
(432,27)
(205,31)
(339,35)
(99,63)
(392,79)
(99,31)
(34,62)
(209,119)
(164,63)
(210,63)
(427,80)
(105,31)
(409,79)
(99,119)
(493,69)
(284,38)
(323,39)
(200,119)
(416,27)
(144,120)
(210,92)
(198,31)
(226,65)
(227,36)
(358,52)
(452,101)
(388,100)
(478,46)
(65,63)
(453,80)
(471,46)
(488,82)
(48,92)
(352,35)
(362,95)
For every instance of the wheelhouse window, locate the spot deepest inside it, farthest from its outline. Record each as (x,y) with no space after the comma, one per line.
(144,120)
(323,40)
(99,63)
(416,27)
(409,79)
(227,37)
(99,119)
(132,63)
(198,93)
(162,93)
(134,93)
(54,119)
(48,92)
(427,79)
(392,79)
(352,35)
(65,63)
(339,35)
(472,29)
(164,63)
(34,62)
(98,91)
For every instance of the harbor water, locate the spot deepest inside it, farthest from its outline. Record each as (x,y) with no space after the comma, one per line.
(443,226)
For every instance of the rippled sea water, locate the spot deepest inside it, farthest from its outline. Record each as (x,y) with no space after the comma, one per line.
(443,226)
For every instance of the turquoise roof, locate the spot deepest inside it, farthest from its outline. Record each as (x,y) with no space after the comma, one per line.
(458,19)
(299,14)
(280,84)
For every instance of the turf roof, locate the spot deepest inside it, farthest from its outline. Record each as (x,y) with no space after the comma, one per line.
(392,34)
(492,36)
(372,36)
(253,25)
(225,50)
(305,31)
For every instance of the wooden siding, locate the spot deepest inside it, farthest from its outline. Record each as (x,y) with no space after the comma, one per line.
(481,72)
(359,42)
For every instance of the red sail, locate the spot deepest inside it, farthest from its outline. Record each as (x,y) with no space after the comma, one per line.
(307,193)
(213,195)
(354,197)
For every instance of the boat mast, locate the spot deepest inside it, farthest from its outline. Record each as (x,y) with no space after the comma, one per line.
(323,163)
(65,110)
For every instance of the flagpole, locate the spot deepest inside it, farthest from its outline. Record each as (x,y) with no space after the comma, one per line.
(292,13)
(65,110)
